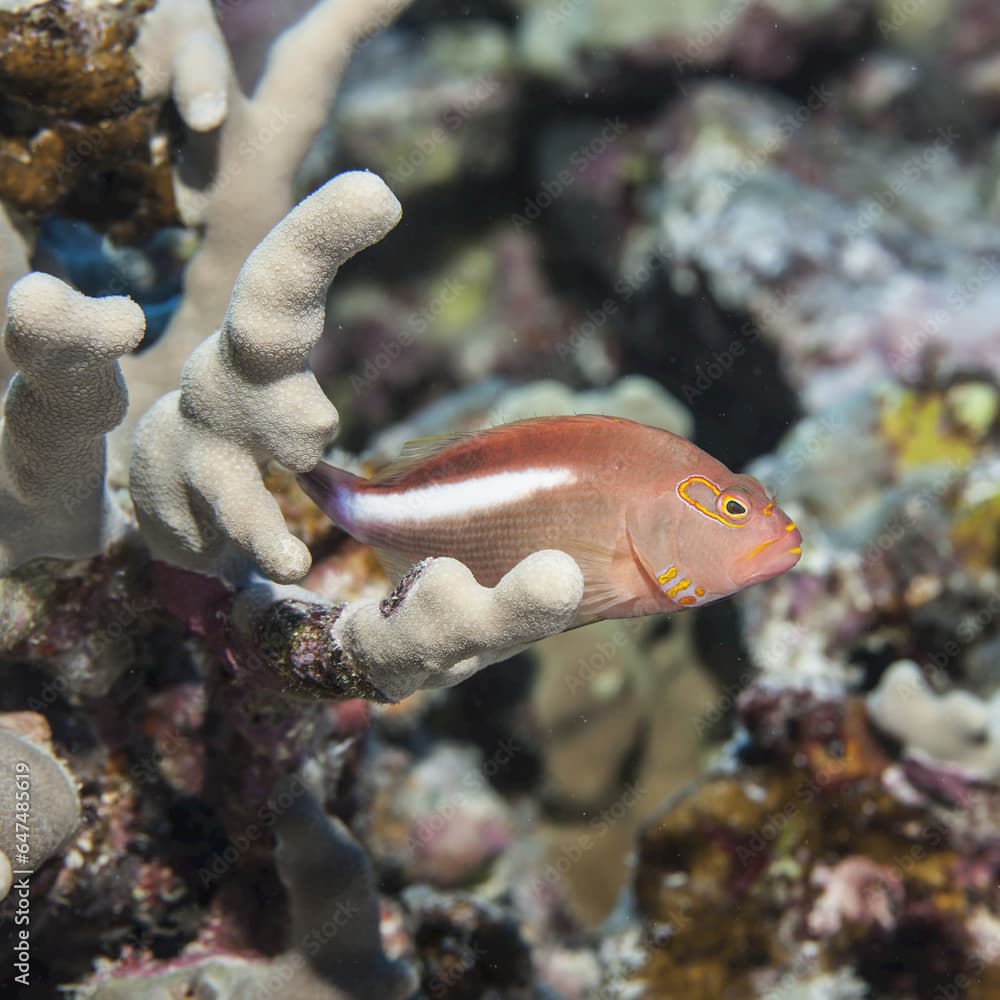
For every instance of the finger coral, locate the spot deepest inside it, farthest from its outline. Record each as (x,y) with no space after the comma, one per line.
(237,180)
(40,807)
(247,393)
(67,395)
(438,627)
(180,51)
(343,917)
(13,265)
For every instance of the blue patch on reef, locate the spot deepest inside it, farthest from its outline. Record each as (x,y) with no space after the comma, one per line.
(151,273)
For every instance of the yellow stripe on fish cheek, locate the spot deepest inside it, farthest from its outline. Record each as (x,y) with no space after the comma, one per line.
(759,548)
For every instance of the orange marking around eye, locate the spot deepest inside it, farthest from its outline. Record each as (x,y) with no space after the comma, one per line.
(686,600)
(677,588)
(682,488)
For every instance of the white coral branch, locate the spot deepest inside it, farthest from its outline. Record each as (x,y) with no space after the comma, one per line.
(247,393)
(438,627)
(310,846)
(180,52)
(13,266)
(256,153)
(67,395)
(55,802)
(443,626)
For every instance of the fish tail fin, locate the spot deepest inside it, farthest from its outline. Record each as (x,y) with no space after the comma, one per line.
(330,489)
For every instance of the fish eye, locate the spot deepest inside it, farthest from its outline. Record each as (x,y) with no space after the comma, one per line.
(734,506)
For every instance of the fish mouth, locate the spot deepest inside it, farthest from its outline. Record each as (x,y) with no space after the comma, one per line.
(769,559)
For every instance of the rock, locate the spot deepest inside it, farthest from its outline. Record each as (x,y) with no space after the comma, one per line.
(468,948)
(581,44)
(437,820)
(444,112)
(805,862)
(78,138)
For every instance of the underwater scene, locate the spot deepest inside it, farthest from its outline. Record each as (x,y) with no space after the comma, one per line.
(500,500)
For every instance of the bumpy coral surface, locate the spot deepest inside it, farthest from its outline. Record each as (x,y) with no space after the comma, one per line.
(47,808)
(67,395)
(248,394)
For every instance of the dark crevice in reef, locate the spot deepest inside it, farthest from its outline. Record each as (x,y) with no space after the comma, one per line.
(436,222)
(258,902)
(716,364)
(486,710)
(425,13)
(873,661)
(823,61)
(441,219)
(719,640)
(901,964)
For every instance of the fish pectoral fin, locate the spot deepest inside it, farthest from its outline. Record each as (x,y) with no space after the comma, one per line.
(395,565)
(595,561)
(600,593)
(597,602)
(416,452)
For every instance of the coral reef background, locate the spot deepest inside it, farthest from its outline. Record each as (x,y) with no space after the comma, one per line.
(235,758)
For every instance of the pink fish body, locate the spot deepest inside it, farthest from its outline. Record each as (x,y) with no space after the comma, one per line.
(655,523)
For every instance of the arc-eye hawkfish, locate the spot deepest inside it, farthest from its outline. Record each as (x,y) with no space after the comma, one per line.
(655,523)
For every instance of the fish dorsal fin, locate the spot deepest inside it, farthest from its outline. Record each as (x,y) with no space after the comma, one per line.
(416,452)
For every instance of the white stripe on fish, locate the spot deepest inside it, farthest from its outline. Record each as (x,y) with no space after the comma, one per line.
(458,499)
